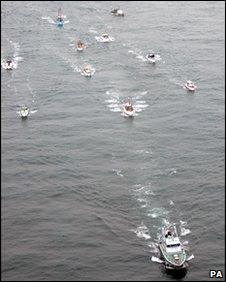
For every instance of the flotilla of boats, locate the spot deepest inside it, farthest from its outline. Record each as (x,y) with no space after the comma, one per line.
(173,253)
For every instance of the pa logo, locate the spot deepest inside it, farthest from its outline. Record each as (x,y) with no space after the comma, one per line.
(216,274)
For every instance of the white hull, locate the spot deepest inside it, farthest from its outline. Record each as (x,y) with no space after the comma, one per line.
(88,73)
(104,40)
(80,48)
(151,60)
(24,114)
(9,67)
(190,88)
(119,13)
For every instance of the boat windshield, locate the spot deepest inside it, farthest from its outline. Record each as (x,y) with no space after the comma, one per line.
(174,248)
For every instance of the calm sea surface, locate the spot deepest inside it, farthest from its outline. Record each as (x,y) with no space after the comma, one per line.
(85,190)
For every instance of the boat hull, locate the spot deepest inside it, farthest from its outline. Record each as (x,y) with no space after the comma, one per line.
(128,113)
(170,262)
(190,88)
(24,114)
(60,24)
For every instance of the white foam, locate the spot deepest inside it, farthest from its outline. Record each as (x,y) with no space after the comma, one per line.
(49,19)
(113,105)
(183,223)
(173,171)
(92,31)
(142,232)
(115,110)
(185,231)
(102,40)
(155,259)
(118,172)
(190,258)
(158,212)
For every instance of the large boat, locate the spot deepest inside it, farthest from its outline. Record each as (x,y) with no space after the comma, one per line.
(172,250)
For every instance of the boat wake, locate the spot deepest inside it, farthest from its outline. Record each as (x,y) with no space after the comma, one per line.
(52,21)
(49,19)
(15,58)
(116,100)
(142,232)
(140,56)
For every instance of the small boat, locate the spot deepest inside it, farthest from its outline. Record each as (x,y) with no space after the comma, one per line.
(104,38)
(80,46)
(190,85)
(87,71)
(24,112)
(172,250)
(118,12)
(60,21)
(151,58)
(128,109)
(9,65)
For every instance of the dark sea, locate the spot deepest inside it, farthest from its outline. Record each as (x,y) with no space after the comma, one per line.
(85,191)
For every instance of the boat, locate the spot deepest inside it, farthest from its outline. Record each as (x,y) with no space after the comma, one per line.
(104,38)
(172,251)
(9,65)
(118,12)
(128,109)
(190,85)
(60,21)
(80,46)
(151,58)
(87,71)
(24,112)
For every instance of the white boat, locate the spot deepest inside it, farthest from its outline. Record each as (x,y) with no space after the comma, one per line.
(87,71)
(80,48)
(24,112)
(151,58)
(118,12)
(104,38)
(8,65)
(128,110)
(190,85)
(172,250)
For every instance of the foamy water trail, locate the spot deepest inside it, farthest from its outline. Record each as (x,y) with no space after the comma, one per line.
(70,62)
(49,19)
(15,58)
(140,56)
(102,40)
(116,102)
(142,232)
